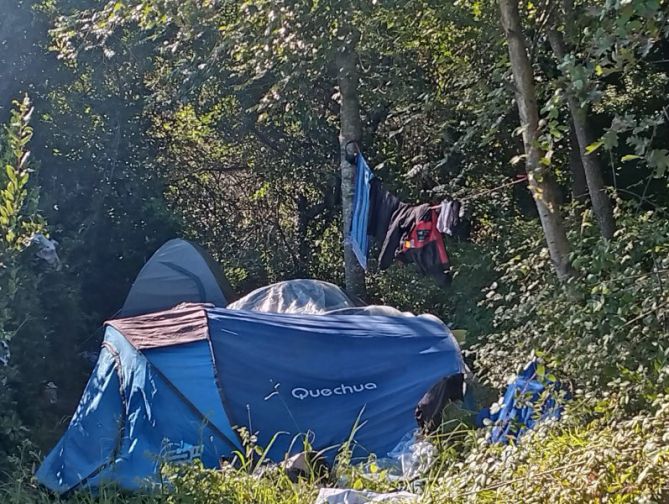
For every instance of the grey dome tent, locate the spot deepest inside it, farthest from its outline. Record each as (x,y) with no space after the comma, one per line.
(177,272)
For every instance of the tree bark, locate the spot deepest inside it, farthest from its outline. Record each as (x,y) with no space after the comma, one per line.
(350,131)
(601,204)
(541,183)
(579,187)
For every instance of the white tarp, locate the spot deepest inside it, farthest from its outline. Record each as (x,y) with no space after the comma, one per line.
(295,296)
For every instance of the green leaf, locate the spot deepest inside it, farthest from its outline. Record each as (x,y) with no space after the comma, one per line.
(594,146)
(11,173)
(630,157)
(610,139)
(659,159)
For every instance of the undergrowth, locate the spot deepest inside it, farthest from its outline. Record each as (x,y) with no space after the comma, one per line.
(605,334)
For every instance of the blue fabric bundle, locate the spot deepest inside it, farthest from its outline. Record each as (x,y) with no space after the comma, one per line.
(524,404)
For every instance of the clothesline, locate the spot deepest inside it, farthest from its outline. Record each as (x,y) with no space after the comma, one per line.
(488,191)
(522,178)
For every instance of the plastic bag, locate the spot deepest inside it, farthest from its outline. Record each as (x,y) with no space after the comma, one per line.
(414,456)
(47,250)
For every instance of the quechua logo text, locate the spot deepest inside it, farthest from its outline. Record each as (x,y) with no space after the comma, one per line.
(303,393)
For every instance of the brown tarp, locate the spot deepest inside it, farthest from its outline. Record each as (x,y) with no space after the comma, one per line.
(185,323)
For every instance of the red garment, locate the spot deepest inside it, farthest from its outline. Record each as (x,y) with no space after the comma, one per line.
(424,246)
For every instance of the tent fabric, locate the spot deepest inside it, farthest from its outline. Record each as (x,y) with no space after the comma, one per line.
(293,374)
(132,418)
(186,323)
(285,374)
(178,272)
(92,437)
(383,310)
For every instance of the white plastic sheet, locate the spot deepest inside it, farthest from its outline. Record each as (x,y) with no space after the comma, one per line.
(295,296)
(409,460)
(347,496)
(314,297)
(413,456)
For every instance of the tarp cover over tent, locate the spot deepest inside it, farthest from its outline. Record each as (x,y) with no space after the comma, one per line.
(178,272)
(295,296)
(170,386)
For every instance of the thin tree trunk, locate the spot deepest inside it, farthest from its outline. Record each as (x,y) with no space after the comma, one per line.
(542,185)
(601,205)
(351,131)
(579,187)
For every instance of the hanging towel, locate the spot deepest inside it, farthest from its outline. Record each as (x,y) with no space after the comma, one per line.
(449,216)
(360,218)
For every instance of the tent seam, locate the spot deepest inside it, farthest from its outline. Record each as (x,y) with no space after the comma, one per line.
(217,380)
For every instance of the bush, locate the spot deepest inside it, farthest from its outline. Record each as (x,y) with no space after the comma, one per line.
(609,320)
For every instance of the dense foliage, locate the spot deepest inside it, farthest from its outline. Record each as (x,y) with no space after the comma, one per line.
(219,121)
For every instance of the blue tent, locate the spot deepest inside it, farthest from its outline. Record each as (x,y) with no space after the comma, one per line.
(170,386)
(178,272)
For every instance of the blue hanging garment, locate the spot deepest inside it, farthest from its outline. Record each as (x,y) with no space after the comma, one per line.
(358,233)
(529,399)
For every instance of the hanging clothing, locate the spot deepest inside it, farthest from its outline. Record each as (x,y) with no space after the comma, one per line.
(449,216)
(393,223)
(424,247)
(359,219)
(382,205)
(403,220)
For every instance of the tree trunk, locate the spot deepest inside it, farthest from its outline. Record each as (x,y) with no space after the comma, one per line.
(350,131)
(601,205)
(543,187)
(579,187)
